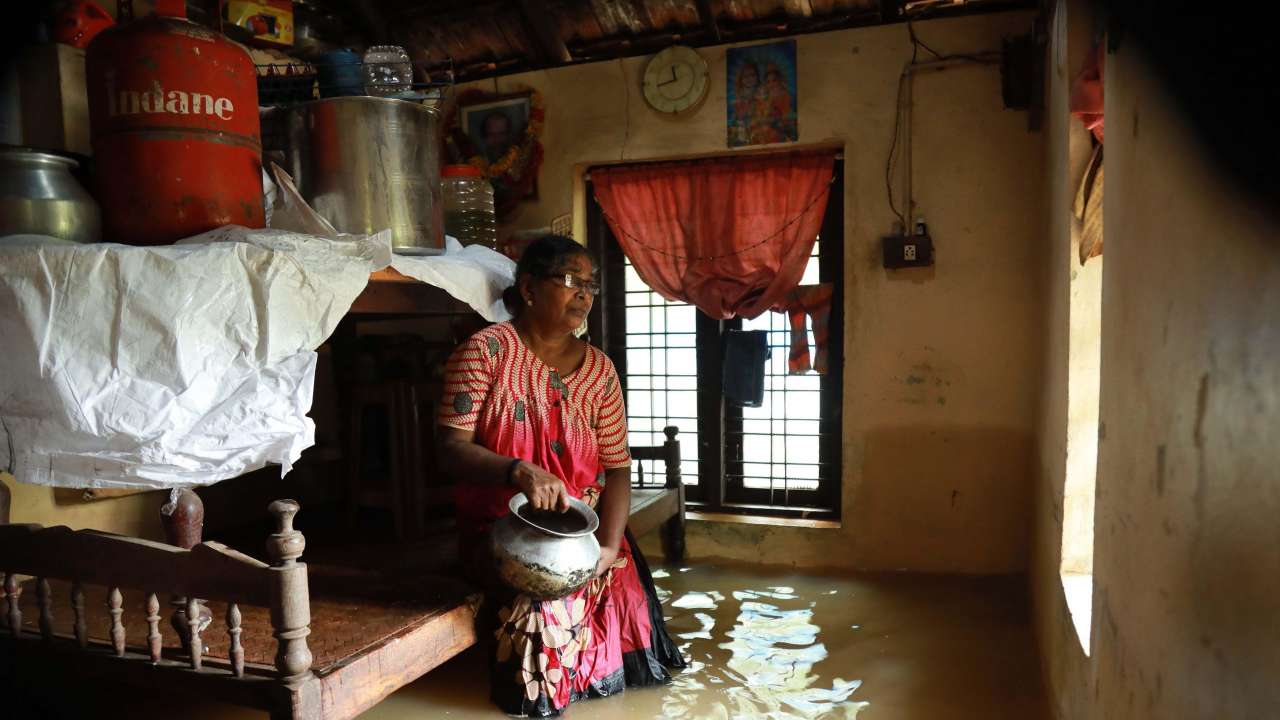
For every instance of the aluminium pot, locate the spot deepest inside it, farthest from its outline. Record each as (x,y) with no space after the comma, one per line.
(368,164)
(546,554)
(39,196)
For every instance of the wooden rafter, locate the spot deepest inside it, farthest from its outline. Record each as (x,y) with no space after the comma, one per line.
(542,27)
(709,19)
(641,10)
(798,8)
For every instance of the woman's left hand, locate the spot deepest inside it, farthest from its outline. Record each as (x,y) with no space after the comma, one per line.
(607,556)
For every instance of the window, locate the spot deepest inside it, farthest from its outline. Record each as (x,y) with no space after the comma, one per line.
(1084,338)
(782,458)
(773,453)
(660,370)
(1079,490)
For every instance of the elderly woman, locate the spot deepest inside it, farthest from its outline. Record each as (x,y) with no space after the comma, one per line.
(530,408)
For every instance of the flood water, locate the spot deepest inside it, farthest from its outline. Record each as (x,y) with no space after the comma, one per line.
(788,646)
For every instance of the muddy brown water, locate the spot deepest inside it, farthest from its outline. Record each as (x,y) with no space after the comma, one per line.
(783,646)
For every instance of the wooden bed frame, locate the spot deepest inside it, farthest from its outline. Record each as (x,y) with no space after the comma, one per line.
(298,642)
(655,506)
(265,640)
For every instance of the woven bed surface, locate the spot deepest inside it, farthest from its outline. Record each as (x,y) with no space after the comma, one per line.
(350,611)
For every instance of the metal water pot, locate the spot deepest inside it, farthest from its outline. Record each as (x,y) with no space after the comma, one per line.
(546,554)
(368,164)
(39,196)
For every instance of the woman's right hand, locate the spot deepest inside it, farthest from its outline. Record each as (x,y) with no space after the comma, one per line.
(544,490)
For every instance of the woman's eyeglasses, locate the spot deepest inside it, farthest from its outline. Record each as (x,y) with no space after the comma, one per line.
(573,282)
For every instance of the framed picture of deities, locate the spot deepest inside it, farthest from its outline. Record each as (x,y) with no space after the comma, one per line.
(762,94)
(496,126)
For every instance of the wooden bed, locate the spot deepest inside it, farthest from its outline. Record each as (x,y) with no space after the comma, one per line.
(298,641)
(329,643)
(660,505)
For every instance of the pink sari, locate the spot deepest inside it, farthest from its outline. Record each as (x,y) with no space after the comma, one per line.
(610,634)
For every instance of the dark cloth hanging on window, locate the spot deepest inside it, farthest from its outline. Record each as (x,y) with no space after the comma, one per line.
(745,354)
(731,236)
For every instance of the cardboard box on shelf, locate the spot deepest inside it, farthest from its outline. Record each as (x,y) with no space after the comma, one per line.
(270,21)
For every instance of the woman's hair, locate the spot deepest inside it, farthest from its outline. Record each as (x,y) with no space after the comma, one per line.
(541,258)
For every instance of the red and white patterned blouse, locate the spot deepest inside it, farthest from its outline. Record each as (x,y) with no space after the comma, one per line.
(573,426)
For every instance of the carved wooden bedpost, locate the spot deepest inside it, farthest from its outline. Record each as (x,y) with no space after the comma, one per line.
(290,599)
(13,610)
(673,530)
(183,520)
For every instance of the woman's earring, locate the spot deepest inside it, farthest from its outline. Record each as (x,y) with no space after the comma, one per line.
(529,302)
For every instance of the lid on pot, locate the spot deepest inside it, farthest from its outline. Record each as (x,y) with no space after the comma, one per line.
(577,521)
(32,155)
(471,171)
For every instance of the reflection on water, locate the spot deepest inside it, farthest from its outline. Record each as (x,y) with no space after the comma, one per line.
(919,648)
(763,665)
(698,601)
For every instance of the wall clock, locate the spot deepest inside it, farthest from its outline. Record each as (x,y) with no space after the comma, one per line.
(675,80)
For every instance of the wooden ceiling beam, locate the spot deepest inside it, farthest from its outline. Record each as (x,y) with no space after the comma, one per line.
(798,8)
(546,35)
(709,20)
(641,10)
(619,45)
(433,13)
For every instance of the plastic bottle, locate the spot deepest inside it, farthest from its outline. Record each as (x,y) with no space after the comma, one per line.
(387,71)
(468,206)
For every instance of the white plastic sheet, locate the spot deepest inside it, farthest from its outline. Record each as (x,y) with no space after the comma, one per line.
(473,274)
(167,366)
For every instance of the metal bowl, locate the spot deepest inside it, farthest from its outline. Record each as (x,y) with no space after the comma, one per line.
(39,196)
(546,554)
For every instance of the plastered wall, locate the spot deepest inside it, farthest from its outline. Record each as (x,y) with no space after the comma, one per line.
(941,364)
(1185,568)
(135,515)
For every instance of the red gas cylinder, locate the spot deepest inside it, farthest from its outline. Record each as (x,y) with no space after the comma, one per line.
(173,112)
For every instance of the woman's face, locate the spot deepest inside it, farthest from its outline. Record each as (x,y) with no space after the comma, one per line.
(748,77)
(557,308)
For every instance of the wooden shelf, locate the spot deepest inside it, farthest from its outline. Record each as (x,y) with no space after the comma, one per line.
(390,293)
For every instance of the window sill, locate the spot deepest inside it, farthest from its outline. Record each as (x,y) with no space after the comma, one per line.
(1078,589)
(761,520)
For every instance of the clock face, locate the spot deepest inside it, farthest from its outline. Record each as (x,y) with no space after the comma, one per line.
(675,79)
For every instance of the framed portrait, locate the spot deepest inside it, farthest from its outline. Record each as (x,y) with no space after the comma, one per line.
(493,127)
(762,94)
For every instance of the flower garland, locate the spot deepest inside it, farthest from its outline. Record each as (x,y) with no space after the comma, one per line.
(514,176)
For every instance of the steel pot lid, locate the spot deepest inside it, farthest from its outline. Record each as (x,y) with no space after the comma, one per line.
(15,152)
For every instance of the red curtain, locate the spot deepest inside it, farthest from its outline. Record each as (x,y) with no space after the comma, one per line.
(731,236)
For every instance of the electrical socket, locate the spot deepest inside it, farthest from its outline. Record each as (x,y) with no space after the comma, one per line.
(904,251)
